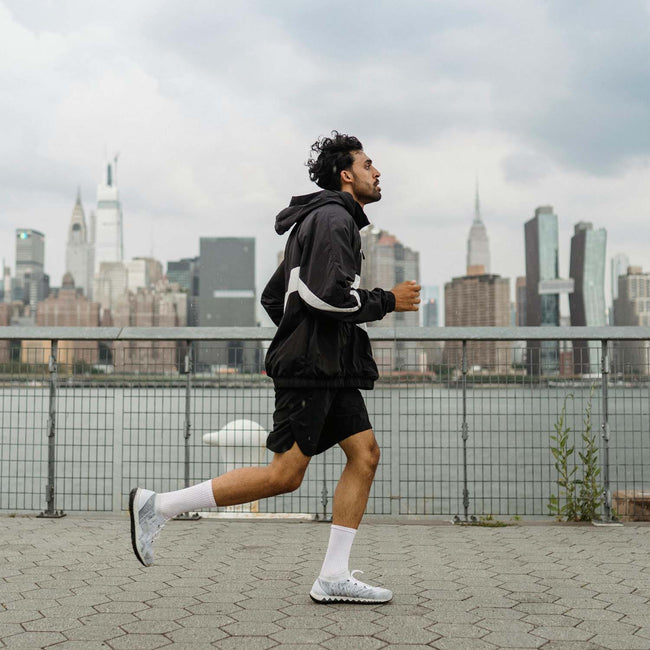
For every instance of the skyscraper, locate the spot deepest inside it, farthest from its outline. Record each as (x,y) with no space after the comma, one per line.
(430,307)
(478,246)
(227,297)
(542,308)
(79,250)
(31,281)
(632,307)
(478,301)
(618,266)
(108,219)
(587,302)
(387,263)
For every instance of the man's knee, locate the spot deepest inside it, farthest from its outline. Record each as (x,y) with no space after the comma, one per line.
(288,482)
(366,457)
(286,474)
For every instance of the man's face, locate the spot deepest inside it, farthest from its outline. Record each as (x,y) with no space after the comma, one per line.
(362,178)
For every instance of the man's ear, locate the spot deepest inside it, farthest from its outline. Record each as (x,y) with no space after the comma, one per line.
(346,176)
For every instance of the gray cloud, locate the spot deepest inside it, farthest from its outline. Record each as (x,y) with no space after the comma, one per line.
(214,105)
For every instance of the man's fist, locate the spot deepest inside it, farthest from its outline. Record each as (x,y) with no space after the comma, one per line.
(407,296)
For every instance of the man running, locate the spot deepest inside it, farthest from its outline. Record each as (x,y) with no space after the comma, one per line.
(319,359)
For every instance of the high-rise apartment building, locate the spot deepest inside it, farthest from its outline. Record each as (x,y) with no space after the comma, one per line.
(478,301)
(227,298)
(542,268)
(31,282)
(618,266)
(108,237)
(387,263)
(79,250)
(587,302)
(185,273)
(478,245)
(520,302)
(430,306)
(632,307)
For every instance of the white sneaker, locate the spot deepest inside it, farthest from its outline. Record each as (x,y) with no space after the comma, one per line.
(348,590)
(145,523)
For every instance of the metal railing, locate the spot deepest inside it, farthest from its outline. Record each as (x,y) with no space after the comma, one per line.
(464,417)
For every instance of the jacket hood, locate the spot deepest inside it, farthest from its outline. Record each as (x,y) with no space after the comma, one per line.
(301,206)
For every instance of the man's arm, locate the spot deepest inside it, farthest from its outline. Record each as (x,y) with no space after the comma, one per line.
(273,295)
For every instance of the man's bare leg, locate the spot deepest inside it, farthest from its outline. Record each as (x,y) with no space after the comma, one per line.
(149,511)
(335,583)
(351,494)
(283,474)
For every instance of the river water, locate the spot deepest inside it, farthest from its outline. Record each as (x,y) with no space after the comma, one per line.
(111,439)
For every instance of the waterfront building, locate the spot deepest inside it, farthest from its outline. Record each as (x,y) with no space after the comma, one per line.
(520,302)
(478,245)
(227,298)
(185,273)
(79,250)
(387,263)
(542,304)
(110,285)
(107,221)
(161,305)
(32,284)
(143,272)
(587,302)
(632,307)
(481,300)
(430,306)
(68,307)
(618,266)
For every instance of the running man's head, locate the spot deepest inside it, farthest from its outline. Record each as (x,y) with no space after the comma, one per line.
(339,163)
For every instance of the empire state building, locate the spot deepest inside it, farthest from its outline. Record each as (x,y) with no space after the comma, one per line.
(108,219)
(478,246)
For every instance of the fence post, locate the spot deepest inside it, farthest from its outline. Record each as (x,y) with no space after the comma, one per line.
(188,365)
(465,431)
(607,494)
(50,512)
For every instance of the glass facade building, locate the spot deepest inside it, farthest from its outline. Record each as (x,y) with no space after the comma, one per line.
(587,302)
(542,263)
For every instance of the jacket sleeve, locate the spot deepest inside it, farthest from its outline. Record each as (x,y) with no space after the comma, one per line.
(327,281)
(273,295)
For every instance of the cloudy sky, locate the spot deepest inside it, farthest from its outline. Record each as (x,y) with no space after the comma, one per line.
(212,107)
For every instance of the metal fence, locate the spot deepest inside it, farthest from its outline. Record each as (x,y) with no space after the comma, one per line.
(465,418)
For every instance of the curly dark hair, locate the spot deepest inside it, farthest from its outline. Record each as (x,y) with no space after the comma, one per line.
(330,156)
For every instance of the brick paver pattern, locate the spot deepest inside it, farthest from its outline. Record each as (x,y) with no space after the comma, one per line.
(74,583)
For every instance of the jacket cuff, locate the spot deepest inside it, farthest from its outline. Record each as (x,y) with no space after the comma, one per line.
(390,302)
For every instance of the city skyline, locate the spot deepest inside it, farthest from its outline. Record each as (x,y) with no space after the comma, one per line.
(439,93)
(78,208)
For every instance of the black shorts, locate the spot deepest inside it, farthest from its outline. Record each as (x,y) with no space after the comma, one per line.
(316,418)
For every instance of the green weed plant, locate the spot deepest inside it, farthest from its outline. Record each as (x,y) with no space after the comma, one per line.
(578,498)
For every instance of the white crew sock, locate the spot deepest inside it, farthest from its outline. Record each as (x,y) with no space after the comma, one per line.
(335,565)
(197,497)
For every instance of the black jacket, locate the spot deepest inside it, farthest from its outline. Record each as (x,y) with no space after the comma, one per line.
(315,300)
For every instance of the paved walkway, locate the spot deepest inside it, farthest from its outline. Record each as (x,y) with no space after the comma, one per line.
(74,583)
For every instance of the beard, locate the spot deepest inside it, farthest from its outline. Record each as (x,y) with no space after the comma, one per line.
(368,194)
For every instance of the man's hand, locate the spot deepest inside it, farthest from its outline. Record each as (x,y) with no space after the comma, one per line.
(407,296)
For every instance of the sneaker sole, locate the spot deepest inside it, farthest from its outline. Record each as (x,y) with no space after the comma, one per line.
(135,529)
(346,599)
